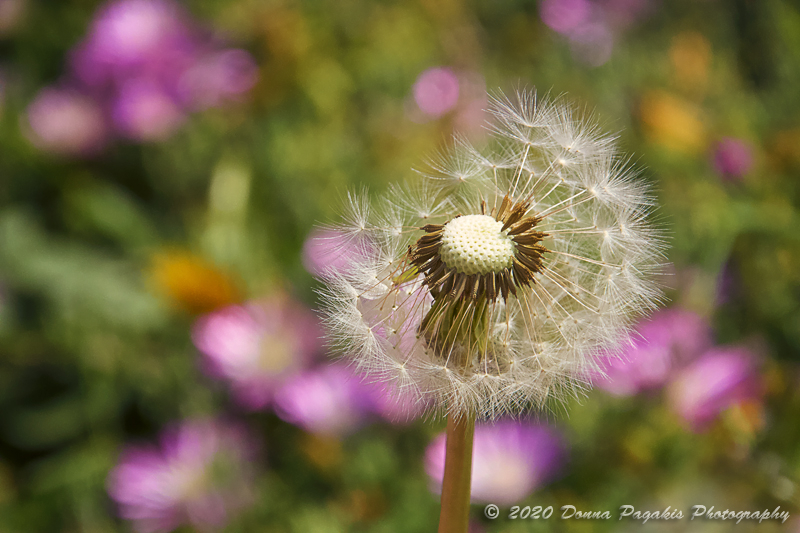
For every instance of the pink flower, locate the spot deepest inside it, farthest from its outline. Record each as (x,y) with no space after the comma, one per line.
(144,66)
(134,38)
(509,460)
(592,26)
(732,158)
(593,44)
(436,91)
(217,77)
(329,399)
(200,475)
(723,377)
(144,111)
(397,407)
(668,340)
(565,16)
(471,114)
(258,346)
(327,252)
(64,121)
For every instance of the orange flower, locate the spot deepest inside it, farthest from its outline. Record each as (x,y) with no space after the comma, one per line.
(783,149)
(191,282)
(746,418)
(690,55)
(673,122)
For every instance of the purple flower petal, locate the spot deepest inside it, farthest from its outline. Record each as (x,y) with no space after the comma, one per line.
(722,377)
(329,400)
(668,340)
(258,347)
(509,461)
(201,473)
(144,111)
(732,158)
(565,16)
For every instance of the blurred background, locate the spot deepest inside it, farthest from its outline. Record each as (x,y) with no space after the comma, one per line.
(163,165)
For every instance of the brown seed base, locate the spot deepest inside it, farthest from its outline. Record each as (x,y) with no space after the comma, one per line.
(443,280)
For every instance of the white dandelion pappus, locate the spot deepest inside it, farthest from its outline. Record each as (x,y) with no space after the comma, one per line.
(496,283)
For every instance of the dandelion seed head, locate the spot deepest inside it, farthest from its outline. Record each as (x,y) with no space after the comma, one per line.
(476,244)
(497,280)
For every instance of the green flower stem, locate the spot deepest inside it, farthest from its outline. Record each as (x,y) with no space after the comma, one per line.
(454,516)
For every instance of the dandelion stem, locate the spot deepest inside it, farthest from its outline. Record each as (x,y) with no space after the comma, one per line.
(454,516)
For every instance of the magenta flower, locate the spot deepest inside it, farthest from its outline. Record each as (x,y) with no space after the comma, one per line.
(509,460)
(144,66)
(461,95)
(565,16)
(329,399)
(732,158)
(586,26)
(436,91)
(200,475)
(592,26)
(258,346)
(145,112)
(134,38)
(666,341)
(723,377)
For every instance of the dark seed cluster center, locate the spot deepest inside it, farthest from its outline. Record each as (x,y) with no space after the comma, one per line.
(443,279)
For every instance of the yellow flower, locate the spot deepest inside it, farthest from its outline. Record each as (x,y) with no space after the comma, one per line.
(673,122)
(192,283)
(690,55)
(783,150)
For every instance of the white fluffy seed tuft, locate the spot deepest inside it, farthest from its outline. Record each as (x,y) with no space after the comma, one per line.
(528,347)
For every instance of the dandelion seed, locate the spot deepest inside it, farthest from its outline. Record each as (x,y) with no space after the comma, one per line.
(515,268)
